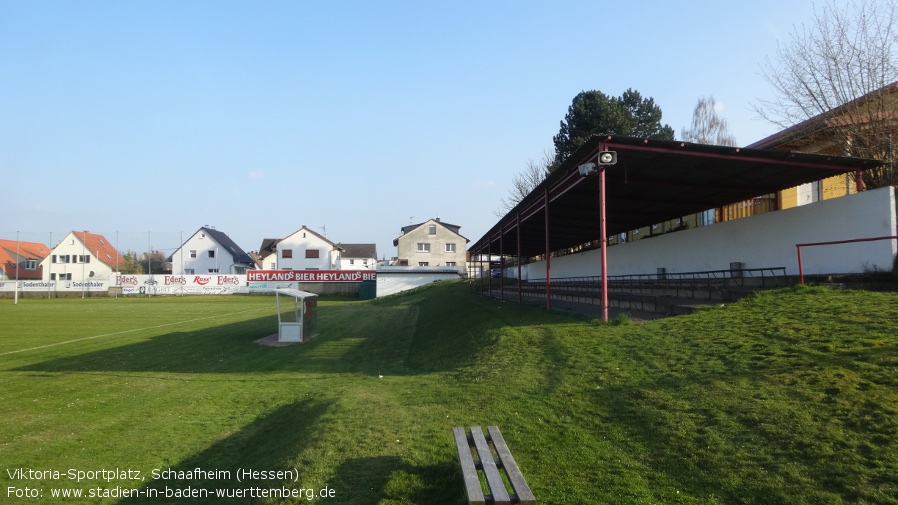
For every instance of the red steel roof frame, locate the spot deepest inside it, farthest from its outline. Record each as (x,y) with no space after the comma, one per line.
(653,181)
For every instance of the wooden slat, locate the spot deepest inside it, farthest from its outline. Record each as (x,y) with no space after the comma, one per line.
(468,470)
(525,495)
(493,478)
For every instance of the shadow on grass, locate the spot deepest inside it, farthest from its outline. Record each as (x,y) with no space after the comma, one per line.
(373,479)
(270,443)
(403,337)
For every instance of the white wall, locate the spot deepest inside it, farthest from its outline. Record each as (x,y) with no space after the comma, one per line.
(93,271)
(202,264)
(347,263)
(761,241)
(298,243)
(391,280)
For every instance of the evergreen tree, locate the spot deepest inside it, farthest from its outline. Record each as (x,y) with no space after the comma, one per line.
(595,113)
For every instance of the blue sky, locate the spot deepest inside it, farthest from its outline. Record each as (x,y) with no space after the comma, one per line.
(144,121)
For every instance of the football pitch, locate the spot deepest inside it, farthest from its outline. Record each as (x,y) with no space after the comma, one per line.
(786,397)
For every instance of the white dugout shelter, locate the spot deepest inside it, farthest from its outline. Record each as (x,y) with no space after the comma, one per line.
(303,325)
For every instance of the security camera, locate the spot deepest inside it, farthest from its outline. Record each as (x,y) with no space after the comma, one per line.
(607,157)
(587,168)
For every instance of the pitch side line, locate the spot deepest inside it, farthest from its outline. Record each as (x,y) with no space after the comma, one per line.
(120,333)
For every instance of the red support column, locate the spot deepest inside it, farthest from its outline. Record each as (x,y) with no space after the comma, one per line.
(518,226)
(501,263)
(480,273)
(548,260)
(489,266)
(604,243)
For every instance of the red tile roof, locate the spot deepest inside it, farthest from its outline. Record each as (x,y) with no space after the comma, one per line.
(101,248)
(13,253)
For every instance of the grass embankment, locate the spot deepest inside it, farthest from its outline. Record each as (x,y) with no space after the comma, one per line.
(787,397)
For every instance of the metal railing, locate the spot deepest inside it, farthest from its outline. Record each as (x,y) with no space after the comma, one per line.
(832,242)
(646,289)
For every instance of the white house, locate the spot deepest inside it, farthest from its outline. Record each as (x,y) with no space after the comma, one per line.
(210,251)
(302,250)
(358,256)
(431,243)
(82,256)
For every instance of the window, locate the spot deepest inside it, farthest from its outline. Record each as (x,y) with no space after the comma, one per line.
(352,262)
(432,229)
(450,248)
(60,277)
(53,259)
(189,271)
(212,253)
(423,247)
(83,259)
(193,253)
(287,253)
(450,263)
(213,270)
(423,264)
(30,264)
(313,253)
(272,265)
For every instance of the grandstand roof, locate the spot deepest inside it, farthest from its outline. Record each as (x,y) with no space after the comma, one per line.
(653,181)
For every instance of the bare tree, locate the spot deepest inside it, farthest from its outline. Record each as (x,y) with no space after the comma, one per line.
(838,77)
(524,182)
(707,126)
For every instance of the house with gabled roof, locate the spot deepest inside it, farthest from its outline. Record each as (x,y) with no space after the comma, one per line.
(210,251)
(22,260)
(303,249)
(82,256)
(358,256)
(431,243)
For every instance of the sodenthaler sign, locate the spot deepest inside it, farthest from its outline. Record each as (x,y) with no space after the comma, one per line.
(310,275)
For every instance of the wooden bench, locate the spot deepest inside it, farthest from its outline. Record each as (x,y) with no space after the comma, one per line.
(491,455)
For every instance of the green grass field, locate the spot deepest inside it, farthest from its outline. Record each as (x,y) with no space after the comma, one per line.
(786,397)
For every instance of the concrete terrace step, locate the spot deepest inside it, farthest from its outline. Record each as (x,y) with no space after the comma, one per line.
(637,298)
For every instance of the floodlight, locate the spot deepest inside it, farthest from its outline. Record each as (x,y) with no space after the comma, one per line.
(587,168)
